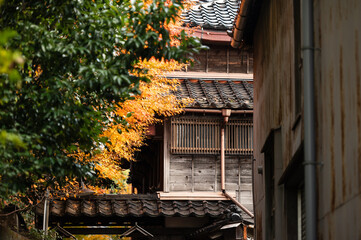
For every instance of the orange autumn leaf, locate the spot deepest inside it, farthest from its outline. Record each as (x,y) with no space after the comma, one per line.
(154,103)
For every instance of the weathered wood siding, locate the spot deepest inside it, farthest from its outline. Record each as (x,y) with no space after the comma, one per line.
(197,173)
(273,94)
(223,59)
(338,110)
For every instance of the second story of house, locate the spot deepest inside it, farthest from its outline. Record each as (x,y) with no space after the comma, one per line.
(183,157)
(207,150)
(210,20)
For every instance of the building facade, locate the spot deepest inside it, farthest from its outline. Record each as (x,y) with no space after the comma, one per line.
(277,31)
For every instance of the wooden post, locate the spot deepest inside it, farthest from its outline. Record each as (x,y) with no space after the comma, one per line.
(46,214)
(245,232)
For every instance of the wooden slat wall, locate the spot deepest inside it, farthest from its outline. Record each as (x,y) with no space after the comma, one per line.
(197,173)
(180,178)
(204,173)
(237,61)
(245,195)
(223,59)
(217,60)
(200,64)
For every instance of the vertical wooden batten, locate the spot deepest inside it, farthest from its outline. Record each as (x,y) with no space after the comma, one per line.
(207,61)
(215,173)
(166,149)
(248,64)
(228,60)
(192,173)
(223,164)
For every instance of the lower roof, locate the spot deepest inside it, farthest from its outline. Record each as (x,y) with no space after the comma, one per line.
(217,94)
(133,206)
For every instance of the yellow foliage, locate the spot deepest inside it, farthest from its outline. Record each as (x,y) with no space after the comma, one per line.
(154,102)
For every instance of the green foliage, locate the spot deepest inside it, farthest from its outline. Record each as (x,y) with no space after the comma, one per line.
(36,234)
(75,64)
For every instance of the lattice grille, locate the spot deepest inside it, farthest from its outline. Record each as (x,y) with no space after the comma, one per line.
(203,136)
(239,137)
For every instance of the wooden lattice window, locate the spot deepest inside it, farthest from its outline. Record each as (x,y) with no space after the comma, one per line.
(203,136)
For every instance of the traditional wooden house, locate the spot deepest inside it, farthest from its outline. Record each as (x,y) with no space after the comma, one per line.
(307,116)
(193,177)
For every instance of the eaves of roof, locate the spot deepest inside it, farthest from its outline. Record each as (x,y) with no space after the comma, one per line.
(245,23)
(206,36)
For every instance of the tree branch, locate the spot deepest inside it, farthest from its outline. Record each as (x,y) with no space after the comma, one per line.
(22,209)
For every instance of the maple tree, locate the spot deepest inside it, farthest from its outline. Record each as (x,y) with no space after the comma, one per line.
(155,102)
(81,60)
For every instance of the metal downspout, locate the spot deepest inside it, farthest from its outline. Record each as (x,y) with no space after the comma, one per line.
(309,120)
(226,113)
(238,204)
(223,164)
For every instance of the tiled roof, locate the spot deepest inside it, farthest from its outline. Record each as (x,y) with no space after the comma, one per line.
(217,94)
(215,14)
(134,206)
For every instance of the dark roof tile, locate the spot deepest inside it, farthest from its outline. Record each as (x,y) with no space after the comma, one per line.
(215,14)
(233,94)
(134,208)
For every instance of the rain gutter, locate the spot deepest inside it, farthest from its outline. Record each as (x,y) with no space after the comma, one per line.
(239,25)
(309,120)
